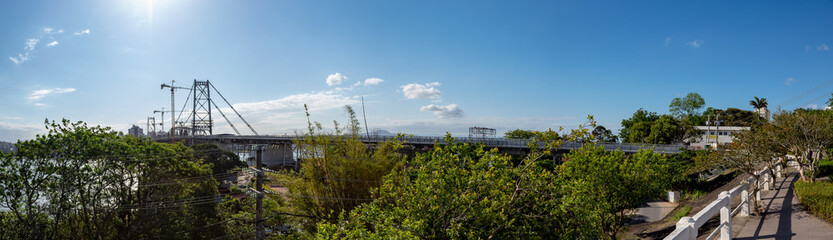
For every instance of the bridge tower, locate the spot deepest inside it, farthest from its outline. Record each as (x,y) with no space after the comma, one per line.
(201,124)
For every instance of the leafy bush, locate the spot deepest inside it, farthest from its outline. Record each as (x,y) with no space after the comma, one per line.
(825,168)
(816,197)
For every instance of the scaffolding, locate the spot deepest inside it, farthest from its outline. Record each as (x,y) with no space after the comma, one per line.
(481,132)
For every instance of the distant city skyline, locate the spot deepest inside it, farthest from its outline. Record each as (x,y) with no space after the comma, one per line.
(423,68)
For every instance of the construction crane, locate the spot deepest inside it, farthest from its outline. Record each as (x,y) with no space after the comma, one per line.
(162,123)
(173,88)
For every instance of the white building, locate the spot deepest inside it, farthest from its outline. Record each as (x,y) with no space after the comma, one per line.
(714,135)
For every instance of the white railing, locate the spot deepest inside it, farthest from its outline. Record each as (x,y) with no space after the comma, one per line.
(687,227)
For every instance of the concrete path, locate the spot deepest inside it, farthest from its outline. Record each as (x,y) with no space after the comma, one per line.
(783,217)
(652,211)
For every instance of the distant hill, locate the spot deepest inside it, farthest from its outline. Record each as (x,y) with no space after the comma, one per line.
(6,147)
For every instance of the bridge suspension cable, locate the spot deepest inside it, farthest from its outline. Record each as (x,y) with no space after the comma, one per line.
(232,108)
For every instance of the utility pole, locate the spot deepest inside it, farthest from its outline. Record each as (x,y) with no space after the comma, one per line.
(717,129)
(366,130)
(172,87)
(259,217)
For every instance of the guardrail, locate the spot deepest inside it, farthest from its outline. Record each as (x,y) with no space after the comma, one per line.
(687,227)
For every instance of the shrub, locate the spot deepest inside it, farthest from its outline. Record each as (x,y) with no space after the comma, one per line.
(825,168)
(817,197)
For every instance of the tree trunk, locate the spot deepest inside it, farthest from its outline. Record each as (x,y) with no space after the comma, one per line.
(801,169)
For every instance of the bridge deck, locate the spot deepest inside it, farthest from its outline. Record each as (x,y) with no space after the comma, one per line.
(428,141)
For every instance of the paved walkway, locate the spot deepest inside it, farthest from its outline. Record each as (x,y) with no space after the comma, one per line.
(652,211)
(783,217)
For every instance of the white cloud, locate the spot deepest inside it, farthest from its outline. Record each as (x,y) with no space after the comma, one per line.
(667,41)
(373,81)
(414,90)
(812,106)
(287,114)
(82,32)
(21,58)
(695,43)
(52,44)
(30,44)
(447,111)
(823,47)
(315,101)
(40,94)
(789,81)
(335,79)
(49,30)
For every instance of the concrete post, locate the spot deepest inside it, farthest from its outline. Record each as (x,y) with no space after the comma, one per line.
(758,195)
(673,196)
(778,171)
(725,216)
(744,198)
(688,223)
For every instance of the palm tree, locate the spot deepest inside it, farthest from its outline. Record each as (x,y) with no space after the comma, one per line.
(758,103)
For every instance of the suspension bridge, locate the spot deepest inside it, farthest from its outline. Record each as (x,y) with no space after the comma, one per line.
(198,127)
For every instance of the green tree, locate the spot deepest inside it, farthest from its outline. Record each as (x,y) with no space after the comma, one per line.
(733,117)
(750,151)
(601,188)
(758,103)
(830,100)
(602,134)
(460,191)
(648,127)
(687,106)
(805,135)
(519,134)
(665,130)
(80,182)
(638,127)
(222,160)
(337,171)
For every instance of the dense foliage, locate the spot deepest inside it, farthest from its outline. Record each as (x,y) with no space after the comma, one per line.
(80,182)
(519,134)
(602,134)
(648,127)
(467,191)
(525,134)
(686,106)
(337,171)
(221,160)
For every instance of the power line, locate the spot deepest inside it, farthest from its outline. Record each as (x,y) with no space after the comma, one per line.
(811,91)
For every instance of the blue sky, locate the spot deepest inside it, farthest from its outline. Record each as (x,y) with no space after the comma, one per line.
(444,66)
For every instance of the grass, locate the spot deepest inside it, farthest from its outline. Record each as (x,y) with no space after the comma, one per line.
(680,213)
(817,197)
(695,194)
